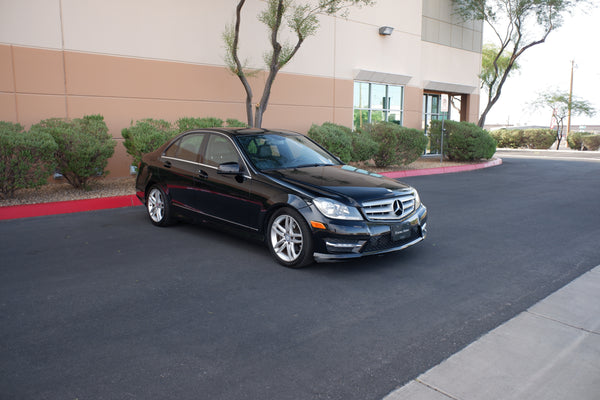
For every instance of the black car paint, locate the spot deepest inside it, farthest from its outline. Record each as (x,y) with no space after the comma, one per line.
(247,198)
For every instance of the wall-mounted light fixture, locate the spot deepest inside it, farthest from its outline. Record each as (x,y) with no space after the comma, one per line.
(386,30)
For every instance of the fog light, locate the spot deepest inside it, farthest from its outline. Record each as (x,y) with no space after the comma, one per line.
(344,246)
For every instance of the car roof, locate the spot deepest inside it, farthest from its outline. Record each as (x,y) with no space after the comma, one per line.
(244,131)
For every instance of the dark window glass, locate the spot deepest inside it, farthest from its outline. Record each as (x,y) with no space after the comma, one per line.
(220,150)
(278,151)
(189,147)
(172,150)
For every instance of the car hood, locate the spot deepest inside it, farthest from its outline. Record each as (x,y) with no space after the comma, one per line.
(341,180)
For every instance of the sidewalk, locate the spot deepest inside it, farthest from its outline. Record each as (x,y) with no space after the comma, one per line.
(566,154)
(551,351)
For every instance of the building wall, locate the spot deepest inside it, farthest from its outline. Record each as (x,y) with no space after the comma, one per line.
(134,59)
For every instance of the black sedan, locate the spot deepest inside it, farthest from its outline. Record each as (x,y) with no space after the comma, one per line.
(306,204)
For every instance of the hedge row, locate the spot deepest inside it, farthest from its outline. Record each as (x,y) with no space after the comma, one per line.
(583,141)
(525,138)
(78,149)
(147,135)
(343,142)
(388,144)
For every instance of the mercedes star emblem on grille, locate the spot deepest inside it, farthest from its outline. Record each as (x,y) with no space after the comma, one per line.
(397,206)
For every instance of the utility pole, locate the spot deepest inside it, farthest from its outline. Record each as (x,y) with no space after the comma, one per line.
(570,98)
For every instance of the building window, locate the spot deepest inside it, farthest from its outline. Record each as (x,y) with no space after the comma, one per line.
(375,102)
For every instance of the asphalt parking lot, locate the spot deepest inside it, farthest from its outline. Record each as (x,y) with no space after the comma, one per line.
(103,305)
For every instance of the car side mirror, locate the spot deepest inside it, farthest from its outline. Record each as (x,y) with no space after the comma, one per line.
(229,168)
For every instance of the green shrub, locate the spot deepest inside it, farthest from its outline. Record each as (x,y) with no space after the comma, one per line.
(463,141)
(528,138)
(187,124)
(497,135)
(509,138)
(397,145)
(234,123)
(26,158)
(575,140)
(591,142)
(539,138)
(84,147)
(364,147)
(341,141)
(583,141)
(335,138)
(146,136)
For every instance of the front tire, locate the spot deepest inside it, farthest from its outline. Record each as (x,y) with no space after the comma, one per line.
(158,207)
(290,239)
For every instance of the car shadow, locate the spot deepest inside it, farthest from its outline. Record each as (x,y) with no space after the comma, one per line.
(254,244)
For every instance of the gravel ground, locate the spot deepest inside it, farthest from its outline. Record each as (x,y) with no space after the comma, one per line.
(110,187)
(62,191)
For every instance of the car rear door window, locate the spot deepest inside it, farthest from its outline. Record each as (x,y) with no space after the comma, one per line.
(187,148)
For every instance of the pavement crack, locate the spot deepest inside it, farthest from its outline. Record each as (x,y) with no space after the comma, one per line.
(436,389)
(563,323)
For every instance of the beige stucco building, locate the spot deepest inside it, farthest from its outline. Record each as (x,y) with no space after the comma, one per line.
(134,59)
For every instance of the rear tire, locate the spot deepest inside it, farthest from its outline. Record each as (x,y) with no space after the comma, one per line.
(290,239)
(159,207)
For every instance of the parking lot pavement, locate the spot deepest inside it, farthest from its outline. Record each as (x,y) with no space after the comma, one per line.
(551,351)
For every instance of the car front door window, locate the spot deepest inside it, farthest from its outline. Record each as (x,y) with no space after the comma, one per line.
(219,151)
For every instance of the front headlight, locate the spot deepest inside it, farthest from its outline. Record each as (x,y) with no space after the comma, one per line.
(417,199)
(336,210)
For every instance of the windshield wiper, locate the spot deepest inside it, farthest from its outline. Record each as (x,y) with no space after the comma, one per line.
(312,165)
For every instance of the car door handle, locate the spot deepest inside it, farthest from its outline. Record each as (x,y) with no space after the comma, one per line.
(167,164)
(202,174)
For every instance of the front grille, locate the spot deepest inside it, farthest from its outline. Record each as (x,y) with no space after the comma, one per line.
(390,209)
(385,242)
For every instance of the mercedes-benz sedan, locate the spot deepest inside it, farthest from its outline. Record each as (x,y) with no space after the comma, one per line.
(303,201)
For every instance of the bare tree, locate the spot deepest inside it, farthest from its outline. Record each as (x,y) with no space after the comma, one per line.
(298,16)
(518,25)
(561,103)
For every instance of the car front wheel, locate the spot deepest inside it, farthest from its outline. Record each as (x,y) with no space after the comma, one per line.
(158,206)
(289,239)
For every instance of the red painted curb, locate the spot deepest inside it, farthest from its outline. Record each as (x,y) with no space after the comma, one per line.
(441,170)
(65,207)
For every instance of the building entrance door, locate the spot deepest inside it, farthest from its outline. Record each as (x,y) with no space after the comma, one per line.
(437,107)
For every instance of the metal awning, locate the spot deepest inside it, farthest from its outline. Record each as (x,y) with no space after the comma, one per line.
(449,87)
(381,77)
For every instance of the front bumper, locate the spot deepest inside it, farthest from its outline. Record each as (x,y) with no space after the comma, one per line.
(344,240)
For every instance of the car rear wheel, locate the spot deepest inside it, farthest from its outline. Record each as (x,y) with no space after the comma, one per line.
(159,207)
(289,239)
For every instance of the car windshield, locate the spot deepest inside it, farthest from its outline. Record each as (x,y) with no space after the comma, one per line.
(280,151)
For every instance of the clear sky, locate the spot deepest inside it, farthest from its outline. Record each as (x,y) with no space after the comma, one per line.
(548,66)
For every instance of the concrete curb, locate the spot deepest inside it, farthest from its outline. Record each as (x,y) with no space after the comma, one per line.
(442,170)
(65,207)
